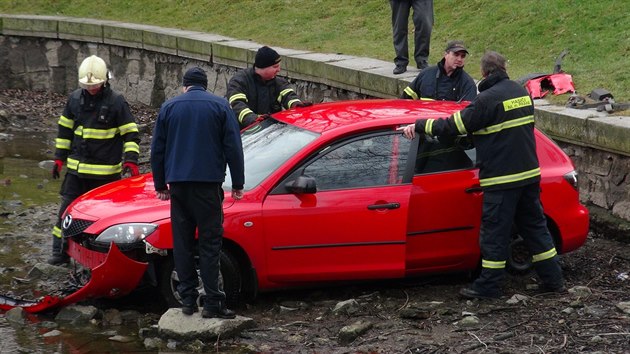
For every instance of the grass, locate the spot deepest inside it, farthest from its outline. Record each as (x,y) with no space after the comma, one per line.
(530,34)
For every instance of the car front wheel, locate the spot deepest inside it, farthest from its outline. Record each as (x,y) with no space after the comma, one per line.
(229,281)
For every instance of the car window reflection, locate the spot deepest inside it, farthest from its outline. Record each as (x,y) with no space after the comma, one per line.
(364,162)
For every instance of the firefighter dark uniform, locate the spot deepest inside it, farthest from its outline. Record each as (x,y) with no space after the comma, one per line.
(251,97)
(432,83)
(501,120)
(94,132)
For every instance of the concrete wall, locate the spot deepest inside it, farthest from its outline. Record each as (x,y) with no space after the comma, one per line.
(147,62)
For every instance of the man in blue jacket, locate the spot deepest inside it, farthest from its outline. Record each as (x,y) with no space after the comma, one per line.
(195,136)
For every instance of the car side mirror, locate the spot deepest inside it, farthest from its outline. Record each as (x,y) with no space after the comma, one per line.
(302,185)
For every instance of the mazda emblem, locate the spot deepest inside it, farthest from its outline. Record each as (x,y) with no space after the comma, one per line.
(66,222)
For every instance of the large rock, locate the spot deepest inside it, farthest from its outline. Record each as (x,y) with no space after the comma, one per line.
(174,324)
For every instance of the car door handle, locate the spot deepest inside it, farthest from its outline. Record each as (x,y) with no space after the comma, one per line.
(474,189)
(384,206)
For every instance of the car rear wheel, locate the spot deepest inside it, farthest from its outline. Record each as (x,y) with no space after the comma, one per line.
(520,258)
(229,281)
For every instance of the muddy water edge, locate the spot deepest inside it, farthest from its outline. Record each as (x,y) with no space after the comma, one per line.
(26,183)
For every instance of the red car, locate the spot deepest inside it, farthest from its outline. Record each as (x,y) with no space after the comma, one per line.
(333,192)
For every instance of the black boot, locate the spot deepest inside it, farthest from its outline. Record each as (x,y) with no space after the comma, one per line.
(58,259)
(219,310)
(59,256)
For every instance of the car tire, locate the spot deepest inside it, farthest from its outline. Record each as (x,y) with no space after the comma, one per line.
(229,280)
(520,258)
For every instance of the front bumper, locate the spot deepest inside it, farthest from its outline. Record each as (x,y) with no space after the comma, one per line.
(112,275)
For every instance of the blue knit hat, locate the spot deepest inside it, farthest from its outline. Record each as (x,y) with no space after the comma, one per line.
(195,77)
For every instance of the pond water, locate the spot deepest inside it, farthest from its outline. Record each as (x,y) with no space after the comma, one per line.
(25,164)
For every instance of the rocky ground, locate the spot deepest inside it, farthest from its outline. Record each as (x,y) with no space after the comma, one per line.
(423,315)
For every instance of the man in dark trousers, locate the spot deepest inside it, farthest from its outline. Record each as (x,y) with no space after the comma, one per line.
(423,26)
(501,120)
(195,137)
(97,139)
(445,81)
(256,92)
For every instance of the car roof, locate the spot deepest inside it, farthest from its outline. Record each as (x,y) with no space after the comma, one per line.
(356,114)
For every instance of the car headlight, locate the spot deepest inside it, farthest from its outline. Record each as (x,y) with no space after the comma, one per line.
(126,233)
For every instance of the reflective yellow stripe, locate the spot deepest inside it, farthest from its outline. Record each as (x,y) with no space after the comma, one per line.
(545,255)
(428,126)
(410,92)
(90,169)
(244,113)
(66,122)
(101,134)
(283,93)
(492,264)
(238,96)
(128,128)
(457,117)
(131,146)
(505,125)
(292,102)
(485,182)
(62,144)
(518,102)
(426,99)
(56,231)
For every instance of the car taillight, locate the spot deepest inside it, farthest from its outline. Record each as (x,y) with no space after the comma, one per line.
(572,178)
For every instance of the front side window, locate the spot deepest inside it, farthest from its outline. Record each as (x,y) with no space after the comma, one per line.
(374,160)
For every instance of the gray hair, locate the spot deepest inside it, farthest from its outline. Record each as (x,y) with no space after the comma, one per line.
(492,62)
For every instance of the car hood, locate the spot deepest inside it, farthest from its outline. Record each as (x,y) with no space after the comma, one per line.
(128,200)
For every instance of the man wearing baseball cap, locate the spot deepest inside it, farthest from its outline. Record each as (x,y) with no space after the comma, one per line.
(256,92)
(445,81)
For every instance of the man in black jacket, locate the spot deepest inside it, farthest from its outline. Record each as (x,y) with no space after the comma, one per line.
(97,139)
(253,93)
(501,120)
(445,81)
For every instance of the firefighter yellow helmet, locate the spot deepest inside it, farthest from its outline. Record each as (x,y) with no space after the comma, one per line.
(92,72)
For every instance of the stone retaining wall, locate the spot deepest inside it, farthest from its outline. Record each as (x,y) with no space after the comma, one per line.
(147,63)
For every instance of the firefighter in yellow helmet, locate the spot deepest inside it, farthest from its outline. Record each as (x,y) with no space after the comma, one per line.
(97,139)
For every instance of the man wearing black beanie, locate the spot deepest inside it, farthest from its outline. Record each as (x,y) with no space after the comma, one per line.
(256,92)
(195,137)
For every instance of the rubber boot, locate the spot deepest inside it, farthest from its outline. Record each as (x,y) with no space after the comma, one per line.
(59,256)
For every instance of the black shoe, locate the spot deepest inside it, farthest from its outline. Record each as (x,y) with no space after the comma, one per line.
(58,259)
(399,69)
(189,309)
(552,289)
(470,293)
(422,65)
(217,312)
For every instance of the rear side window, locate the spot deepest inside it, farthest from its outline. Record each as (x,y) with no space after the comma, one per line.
(368,161)
(445,154)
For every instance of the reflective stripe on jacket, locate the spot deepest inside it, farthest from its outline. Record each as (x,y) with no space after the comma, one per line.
(95,132)
(250,96)
(501,121)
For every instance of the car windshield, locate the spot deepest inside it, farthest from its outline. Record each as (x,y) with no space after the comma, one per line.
(266,146)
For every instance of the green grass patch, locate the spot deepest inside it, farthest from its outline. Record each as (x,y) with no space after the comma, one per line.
(530,34)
